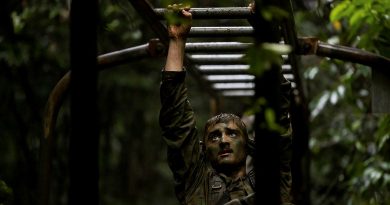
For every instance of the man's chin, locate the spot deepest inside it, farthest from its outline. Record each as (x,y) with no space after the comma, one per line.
(226,163)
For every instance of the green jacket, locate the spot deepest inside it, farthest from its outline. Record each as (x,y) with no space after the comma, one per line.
(195,181)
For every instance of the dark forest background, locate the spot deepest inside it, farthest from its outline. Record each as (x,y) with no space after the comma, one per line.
(349,145)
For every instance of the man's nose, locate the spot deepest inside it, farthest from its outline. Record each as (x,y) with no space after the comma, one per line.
(225,138)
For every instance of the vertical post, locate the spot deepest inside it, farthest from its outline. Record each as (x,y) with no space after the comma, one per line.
(300,166)
(300,163)
(380,90)
(267,88)
(83,143)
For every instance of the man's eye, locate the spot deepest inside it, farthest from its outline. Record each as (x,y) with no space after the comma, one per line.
(232,134)
(214,137)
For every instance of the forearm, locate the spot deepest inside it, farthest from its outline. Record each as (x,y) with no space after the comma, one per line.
(175,56)
(176,114)
(178,126)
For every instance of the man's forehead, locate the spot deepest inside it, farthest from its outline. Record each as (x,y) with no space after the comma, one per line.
(222,126)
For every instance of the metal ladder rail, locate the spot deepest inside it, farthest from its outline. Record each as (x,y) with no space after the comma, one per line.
(220,31)
(217,48)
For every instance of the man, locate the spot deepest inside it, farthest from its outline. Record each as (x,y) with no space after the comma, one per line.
(211,172)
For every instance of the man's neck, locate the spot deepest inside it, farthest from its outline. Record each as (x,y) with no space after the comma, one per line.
(234,173)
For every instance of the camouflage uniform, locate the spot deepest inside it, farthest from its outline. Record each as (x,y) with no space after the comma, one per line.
(196,183)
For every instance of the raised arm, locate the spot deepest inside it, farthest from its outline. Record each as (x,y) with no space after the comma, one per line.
(176,115)
(178,30)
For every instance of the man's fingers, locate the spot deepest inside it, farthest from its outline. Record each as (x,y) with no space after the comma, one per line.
(186,13)
(178,7)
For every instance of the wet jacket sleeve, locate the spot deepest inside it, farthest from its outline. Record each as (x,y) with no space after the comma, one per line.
(178,128)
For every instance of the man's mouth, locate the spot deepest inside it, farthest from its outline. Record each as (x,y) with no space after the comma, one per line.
(225,152)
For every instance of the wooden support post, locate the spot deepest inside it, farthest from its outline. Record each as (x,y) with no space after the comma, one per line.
(300,163)
(380,90)
(83,143)
(267,89)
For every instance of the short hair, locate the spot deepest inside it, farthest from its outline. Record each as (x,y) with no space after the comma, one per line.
(225,118)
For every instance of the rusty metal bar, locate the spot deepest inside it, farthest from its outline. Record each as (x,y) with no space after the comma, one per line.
(307,46)
(121,56)
(352,54)
(234,31)
(152,49)
(213,13)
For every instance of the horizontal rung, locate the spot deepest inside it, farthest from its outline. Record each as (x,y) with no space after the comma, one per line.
(289,77)
(238,93)
(232,69)
(222,59)
(221,31)
(286,67)
(233,86)
(217,58)
(223,69)
(229,78)
(217,47)
(213,13)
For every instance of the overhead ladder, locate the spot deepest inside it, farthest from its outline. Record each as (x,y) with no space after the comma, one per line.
(221,63)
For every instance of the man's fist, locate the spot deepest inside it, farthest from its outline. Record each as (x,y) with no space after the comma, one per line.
(179,21)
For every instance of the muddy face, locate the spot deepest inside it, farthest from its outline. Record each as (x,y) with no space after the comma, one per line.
(225,145)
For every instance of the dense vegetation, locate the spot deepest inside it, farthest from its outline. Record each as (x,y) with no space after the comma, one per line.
(349,144)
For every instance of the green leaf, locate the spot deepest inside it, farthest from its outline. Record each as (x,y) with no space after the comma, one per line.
(17,22)
(357,18)
(261,58)
(339,11)
(270,118)
(5,191)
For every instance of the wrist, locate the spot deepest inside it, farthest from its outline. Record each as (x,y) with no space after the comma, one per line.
(177,45)
(175,55)
(177,39)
